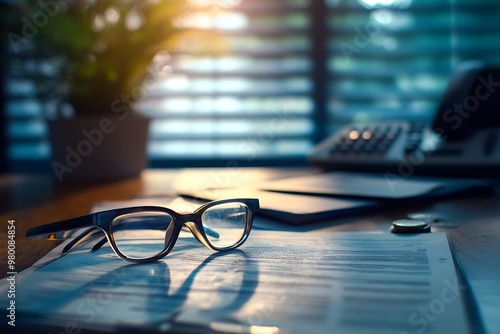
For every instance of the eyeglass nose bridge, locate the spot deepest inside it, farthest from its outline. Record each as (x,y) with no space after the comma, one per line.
(189,222)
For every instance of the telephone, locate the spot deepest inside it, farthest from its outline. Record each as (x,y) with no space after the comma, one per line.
(462,141)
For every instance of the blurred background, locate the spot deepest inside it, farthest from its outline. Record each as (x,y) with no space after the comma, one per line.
(291,73)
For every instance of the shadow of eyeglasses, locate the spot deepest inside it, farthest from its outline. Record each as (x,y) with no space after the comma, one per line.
(156,294)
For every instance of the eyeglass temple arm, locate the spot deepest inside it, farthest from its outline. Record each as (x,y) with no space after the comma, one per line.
(57,230)
(211,232)
(82,236)
(99,244)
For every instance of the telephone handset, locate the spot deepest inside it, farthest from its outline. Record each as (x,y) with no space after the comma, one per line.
(463,140)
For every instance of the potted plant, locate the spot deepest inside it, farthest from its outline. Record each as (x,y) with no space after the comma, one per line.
(103,55)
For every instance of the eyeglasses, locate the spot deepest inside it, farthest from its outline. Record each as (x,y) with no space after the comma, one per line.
(148,233)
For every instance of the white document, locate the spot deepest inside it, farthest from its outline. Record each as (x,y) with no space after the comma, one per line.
(277,282)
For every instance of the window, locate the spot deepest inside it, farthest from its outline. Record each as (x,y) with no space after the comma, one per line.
(391,59)
(296,71)
(253,104)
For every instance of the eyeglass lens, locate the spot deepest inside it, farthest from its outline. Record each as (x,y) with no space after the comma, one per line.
(224,224)
(141,235)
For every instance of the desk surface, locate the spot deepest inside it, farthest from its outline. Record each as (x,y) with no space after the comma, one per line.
(33,200)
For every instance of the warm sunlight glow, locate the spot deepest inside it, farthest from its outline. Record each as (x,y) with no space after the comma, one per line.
(222,20)
(112,15)
(98,24)
(134,21)
(225,3)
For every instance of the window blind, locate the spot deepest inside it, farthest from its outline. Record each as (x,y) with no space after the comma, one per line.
(391,59)
(253,102)
(294,71)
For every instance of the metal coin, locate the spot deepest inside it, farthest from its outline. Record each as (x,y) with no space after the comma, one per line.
(410,226)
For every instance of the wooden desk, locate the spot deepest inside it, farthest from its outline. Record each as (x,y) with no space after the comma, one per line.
(36,200)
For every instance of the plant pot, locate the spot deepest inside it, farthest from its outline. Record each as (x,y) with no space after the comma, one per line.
(100,148)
